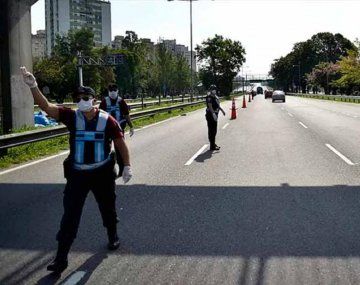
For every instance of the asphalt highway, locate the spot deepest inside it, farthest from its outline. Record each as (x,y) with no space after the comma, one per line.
(278,204)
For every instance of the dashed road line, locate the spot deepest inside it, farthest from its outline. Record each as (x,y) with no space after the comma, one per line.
(196,155)
(338,153)
(303,125)
(291,115)
(225,126)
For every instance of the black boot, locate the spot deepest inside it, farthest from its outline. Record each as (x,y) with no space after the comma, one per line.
(60,263)
(215,147)
(114,241)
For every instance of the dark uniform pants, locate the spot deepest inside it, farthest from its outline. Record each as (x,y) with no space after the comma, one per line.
(102,184)
(212,129)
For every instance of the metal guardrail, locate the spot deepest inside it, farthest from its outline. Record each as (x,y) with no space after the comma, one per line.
(341,98)
(137,104)
(17,139)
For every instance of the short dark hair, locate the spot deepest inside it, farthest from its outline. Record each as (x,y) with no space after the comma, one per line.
(84,90)
(112,86)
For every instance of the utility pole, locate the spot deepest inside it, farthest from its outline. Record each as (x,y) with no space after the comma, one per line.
(80,65)
(191,55)
(191,51)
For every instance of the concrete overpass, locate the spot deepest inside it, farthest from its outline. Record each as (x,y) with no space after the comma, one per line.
(16,103)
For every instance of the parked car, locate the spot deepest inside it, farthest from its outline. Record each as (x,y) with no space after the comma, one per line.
(268,94)
(278,95)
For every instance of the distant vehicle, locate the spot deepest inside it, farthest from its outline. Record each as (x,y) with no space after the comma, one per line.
(259,90)
(278,95)
(268,94)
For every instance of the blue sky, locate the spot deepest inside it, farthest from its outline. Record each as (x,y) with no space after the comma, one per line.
(267,29)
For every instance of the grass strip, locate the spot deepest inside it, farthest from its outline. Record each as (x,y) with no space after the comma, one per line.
(28,152)
(325,97)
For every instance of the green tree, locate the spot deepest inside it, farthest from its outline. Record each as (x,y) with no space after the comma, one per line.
(323,75)
(349,68)
(59,72)
(165,65)
(221,59)
(181,74)
(321,47)
(132,75)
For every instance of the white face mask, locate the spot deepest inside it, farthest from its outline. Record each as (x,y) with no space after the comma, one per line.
(213,92)
(113,94)
(85,106)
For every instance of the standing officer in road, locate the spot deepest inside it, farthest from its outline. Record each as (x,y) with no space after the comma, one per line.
(89,166)
(117,107)
(212,113)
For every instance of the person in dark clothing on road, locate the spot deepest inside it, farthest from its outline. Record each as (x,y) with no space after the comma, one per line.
(89,166)
(117,107)
(212,113)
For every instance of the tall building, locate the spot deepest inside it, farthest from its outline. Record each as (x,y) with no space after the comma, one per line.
(63,15)
(38,43)
(117,42)
(182,50)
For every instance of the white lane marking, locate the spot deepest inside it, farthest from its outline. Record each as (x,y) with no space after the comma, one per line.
(291,115)
(75,278)
(343,157)
(303,125)
(196,154)
(225,126)
(282,108)
(355,116)
(34,162)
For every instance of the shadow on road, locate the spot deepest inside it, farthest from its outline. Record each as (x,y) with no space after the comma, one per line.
(205,156)
(194,221)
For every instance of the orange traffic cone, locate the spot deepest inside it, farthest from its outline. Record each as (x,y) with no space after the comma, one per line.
(250,97)
(233,110)
(244,102)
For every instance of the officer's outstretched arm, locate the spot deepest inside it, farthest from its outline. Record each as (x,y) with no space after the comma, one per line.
(51,109)
(128,120)
(123,150)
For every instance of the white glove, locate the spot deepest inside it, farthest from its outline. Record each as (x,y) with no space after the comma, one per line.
(28,77)
(131,132)
(215,117)
(127,174)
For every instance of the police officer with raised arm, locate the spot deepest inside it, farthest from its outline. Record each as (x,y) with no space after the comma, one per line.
(89,166)
(212,113)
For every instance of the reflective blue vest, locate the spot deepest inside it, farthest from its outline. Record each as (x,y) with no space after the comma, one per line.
(114,110)
(96,137)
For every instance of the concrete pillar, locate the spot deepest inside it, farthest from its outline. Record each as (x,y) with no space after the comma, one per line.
(20,53)
(5,98)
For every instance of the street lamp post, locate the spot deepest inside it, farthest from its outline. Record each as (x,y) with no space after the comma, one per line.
(191,50)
